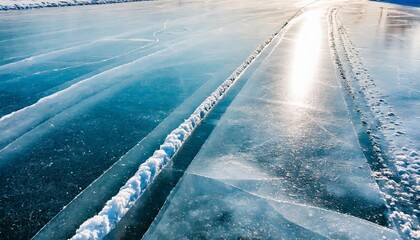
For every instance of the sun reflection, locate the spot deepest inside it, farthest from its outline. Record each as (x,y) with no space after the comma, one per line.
(305,57)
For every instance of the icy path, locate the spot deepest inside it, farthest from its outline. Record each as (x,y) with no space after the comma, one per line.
(284,161)
(379,71)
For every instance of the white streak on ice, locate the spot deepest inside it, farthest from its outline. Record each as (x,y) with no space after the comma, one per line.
(55,53)
(28,4)
(18,123)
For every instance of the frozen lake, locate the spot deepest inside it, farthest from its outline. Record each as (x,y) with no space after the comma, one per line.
(318,138)
(107,76)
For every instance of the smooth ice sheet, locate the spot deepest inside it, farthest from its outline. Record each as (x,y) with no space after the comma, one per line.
(284,161)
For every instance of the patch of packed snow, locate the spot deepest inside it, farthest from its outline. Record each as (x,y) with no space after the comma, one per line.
(28,4)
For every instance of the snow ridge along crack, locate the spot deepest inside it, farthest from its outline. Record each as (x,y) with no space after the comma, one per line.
(394,162)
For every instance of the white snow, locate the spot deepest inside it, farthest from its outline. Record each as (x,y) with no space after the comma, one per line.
(18,123)
(27,4)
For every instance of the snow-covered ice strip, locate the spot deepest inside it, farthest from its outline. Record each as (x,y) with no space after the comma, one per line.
(101,224)
(399,174)
(28,4)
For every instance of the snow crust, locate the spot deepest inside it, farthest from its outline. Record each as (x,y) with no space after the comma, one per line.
(28,4)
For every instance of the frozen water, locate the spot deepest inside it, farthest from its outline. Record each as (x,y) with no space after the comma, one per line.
(380,73)
(391,54)
(284,161)
(88,94)
(75,99)
(206,208)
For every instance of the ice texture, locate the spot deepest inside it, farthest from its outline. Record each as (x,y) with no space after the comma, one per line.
(284,161)
(88,93)
(82,87)
(210,208)
(323,141)
(380,71)
(100,225)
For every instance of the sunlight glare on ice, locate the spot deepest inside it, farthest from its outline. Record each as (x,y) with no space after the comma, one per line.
(306,56)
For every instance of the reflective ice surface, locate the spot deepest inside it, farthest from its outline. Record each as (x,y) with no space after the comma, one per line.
(284,161)
(387,36)
(383,52)
(81,86)
(86,89)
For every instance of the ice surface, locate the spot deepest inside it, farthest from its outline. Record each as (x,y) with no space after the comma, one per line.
(101,224)
(391,55)
(209,208)
(76,99)
(381,70)
(99,88)
(284,161)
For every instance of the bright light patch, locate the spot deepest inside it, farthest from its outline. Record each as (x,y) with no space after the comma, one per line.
(306,55)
